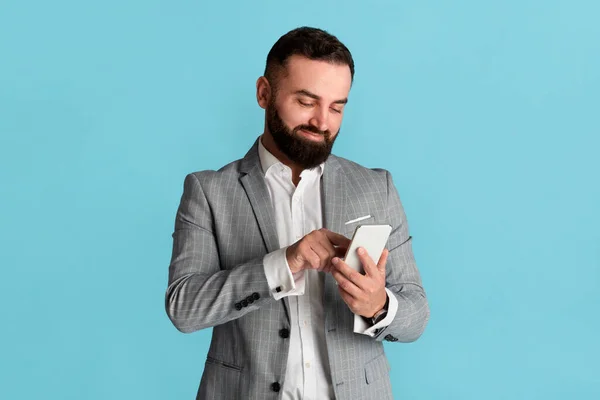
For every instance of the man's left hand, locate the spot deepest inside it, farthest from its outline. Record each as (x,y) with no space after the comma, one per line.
(364,294)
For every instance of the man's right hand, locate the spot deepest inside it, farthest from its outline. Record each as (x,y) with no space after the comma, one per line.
(315,250)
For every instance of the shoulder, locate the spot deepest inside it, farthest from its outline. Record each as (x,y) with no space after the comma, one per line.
(209,179)
(357,173)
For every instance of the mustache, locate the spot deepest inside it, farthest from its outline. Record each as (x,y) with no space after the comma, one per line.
(312,129)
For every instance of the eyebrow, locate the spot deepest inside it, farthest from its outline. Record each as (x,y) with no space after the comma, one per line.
(306,93)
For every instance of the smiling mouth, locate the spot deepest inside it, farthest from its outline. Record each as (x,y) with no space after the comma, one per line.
(312,135)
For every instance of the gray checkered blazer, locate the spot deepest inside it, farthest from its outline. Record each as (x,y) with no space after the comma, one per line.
(224,227)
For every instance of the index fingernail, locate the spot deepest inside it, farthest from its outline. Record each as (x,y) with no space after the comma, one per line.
(361,251)
(335,260)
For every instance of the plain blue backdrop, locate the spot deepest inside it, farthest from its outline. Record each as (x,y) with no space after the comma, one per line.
(486,113)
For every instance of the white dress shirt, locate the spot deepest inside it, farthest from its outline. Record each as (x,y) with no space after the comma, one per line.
(298,212)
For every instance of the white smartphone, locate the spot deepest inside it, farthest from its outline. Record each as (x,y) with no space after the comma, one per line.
(372,238)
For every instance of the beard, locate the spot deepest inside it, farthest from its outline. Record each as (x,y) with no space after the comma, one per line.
(304,152)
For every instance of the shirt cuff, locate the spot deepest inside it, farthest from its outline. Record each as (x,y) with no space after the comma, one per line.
(391,313)
(279,276)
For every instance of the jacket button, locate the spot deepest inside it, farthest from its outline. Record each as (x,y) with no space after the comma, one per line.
(250,299)
(284,333)
(275,386)
(255,296)
(244,303)
(238,306)
(390,338)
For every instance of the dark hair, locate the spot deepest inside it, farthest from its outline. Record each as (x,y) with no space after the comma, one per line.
(312,43)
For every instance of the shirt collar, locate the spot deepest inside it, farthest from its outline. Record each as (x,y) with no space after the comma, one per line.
(267,160)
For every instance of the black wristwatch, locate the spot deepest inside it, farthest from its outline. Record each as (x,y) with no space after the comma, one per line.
(381,314)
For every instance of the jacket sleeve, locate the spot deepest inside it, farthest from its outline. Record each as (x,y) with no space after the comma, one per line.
(402,277)
(200,293)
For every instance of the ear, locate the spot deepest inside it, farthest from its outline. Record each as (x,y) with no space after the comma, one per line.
(263,92)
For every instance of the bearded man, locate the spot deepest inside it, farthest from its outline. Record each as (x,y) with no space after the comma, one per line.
(257,248)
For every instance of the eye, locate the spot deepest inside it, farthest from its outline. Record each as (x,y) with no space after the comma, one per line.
(337,111)
(305,104)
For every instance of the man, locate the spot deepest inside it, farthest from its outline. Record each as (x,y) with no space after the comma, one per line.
(257,243)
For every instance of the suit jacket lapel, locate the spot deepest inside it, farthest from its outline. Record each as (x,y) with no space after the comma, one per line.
(334,196)
(253,181)
(334,205)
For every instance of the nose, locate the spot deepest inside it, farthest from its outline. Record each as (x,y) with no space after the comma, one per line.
(319,119)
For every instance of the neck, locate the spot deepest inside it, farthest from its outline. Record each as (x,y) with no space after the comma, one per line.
(269,144)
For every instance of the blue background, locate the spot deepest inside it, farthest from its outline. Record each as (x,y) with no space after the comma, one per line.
(486,113)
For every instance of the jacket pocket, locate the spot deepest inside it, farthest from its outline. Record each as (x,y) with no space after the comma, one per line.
(351,225)
(377,368)
(210,360)
(220,380)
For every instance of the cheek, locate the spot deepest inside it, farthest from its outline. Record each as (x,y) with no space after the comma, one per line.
(294,116)
(334,124)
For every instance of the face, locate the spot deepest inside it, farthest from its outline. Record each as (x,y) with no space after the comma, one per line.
(305,115)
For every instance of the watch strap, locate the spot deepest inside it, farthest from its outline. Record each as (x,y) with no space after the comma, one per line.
(381,314)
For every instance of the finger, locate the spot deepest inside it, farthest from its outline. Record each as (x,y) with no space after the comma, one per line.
(382,261)
(348,299)
(323,253)
(311,258)
(354,276)
(336,238)
(340,252)
(367,262)
(335,243)
(346,284)
(327,250)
